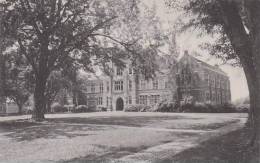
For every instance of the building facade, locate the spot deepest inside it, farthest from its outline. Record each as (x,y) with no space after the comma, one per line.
(204,82)
(187,77)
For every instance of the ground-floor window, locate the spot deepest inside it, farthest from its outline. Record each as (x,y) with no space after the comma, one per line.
(130,100)
(143,99)
(154,99)
(100,101)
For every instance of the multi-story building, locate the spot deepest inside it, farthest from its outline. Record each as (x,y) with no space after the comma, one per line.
(205,83)
(189,77)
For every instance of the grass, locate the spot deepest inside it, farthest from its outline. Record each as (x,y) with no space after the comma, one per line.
(229,148)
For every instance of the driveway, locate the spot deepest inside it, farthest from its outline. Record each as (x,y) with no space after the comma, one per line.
(111,136)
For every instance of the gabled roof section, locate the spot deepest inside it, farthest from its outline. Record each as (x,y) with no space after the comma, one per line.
(204,64)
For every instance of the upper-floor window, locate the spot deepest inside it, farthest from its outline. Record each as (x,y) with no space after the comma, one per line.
(107,86)
(167,85)
(119,71)
(101,88)
(155,84)
(130,85)
(130,70)
(119,85)
(143,99)
(143,84)
(93,88)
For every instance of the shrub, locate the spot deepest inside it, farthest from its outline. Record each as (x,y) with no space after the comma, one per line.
(137,108)
(166,106)
(102,109)
(58,108)
(208,108)
(244,108)
(81,109)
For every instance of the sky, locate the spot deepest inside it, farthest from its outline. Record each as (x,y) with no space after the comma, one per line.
(190,41)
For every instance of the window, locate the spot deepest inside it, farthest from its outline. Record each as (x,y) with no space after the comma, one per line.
(167,84)
(154,99)
(130,70)
(130,100)
(107,86)
(107,101)
(155,84)
(143,99)
(130,85)
(143,85)
(119,86)
(100,101)
(119,71)
(101,87)
(93,88)
(207,79)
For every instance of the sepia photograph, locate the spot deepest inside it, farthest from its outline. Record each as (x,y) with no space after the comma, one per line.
(129,81)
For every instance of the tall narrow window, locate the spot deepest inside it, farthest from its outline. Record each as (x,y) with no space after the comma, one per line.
(107,86)
(93,88)
(101,87)
(130,70)
(100,101)
(143,84)
(155,84)
(130,85)
(119,71)
(130,100)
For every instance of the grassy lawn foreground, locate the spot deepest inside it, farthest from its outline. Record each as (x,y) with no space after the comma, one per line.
(109,136)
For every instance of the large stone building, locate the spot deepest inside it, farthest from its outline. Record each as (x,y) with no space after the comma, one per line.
(202,81)
(187,77)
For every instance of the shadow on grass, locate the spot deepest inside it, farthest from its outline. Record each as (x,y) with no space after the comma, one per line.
(28,131)
(116,153)
(139,121)
(229,148)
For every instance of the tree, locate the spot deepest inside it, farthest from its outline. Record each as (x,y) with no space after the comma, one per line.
(50,33)
(237,22)
(17,81)
(55,83)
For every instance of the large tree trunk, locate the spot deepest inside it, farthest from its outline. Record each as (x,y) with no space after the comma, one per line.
(20,107)
(39,100)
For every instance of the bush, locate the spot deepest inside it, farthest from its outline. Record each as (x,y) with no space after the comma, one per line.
(137,108)
(166,106)
(208,108)
(81,109)
(58,108)
(244,108)
(102,109)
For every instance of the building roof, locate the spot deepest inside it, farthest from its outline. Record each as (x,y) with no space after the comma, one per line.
(215,68)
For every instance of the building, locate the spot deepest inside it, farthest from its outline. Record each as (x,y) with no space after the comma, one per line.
(204,82)
(187,77)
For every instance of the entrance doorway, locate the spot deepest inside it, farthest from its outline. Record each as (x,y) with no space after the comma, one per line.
(119,104)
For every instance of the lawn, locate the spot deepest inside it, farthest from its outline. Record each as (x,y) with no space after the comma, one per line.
(110,136)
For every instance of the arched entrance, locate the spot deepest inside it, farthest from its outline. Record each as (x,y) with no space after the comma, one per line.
(119,104)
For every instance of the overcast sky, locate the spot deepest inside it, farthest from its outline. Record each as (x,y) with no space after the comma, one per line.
(189,41)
